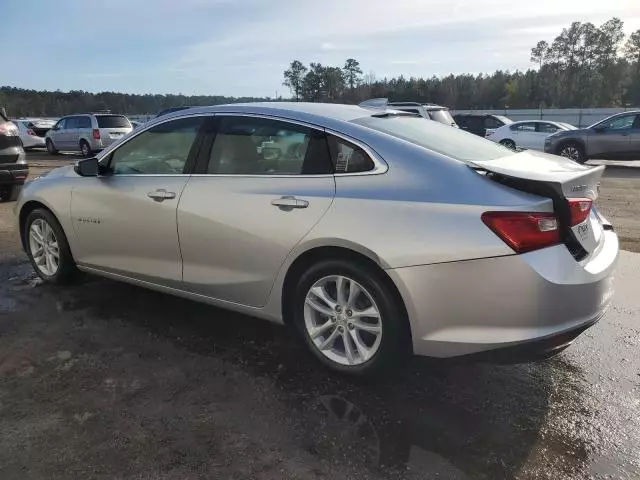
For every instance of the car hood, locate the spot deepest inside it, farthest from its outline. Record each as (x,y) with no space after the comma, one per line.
(59,172)
(570,133)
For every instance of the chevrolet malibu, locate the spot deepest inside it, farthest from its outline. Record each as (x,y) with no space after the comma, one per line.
(372,232)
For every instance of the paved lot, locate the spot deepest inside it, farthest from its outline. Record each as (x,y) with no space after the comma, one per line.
(106,380)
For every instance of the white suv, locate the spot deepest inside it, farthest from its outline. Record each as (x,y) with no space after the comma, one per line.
(86,133)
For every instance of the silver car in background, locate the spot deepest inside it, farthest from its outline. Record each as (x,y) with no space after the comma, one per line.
(374,233)
(86,133)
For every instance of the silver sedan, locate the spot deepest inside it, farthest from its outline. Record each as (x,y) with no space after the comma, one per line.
(374,233)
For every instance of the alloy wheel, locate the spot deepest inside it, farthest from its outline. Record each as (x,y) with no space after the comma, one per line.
(342,320)
(44,247)
(571,152)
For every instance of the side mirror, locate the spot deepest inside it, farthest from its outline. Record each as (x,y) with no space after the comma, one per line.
(87,167)
(600,128)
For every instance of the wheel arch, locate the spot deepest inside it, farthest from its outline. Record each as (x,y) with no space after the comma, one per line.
(323,252)
(25,210)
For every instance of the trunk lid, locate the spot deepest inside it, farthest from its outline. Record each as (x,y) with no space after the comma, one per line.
(560,179)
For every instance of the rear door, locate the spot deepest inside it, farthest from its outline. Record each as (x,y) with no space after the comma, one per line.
(524,134)
(113,128)
(262,184)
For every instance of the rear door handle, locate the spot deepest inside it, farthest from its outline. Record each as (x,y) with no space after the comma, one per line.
(161,195)
(288,202)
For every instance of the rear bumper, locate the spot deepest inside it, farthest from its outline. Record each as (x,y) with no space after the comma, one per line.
(531,302)
(29,141)
(13,174)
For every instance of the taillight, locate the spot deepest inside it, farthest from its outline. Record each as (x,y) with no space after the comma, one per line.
(579,208)
(96,134)
(524,231)
(31,132)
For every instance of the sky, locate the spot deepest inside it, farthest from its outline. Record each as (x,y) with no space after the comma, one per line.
(242,47)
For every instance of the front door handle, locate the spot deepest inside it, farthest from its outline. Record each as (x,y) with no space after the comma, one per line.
(289,202)
(161,195)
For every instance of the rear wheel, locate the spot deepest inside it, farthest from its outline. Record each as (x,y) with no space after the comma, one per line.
(47,247)
(51,147)
(85,148)
(572,150)
(350,318)
(508,143)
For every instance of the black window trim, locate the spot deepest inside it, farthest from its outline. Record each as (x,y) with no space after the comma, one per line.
(105,159)
(200,170)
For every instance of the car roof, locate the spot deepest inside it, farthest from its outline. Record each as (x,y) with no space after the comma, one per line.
(323,114)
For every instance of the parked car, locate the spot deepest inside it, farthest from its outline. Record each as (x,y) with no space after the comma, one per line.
(479,123)
(32,131)
(166,111)
(429,111)
(13,162)
(527,134)
(86,133)
(616,138)
(365,242)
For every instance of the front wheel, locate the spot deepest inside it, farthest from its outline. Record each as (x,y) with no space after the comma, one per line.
(574,151)
(47,247)
(350,318)
(51,147)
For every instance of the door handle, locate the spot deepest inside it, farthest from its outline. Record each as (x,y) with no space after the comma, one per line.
(161,195)
(289,202)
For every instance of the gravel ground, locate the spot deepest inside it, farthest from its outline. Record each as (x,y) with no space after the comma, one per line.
(106,380)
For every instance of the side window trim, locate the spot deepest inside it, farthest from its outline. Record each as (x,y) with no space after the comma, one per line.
(202,162)
(379,165)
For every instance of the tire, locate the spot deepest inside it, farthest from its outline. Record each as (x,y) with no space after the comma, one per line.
(51,147)
(85,149)
(66,270)
(381,352)
(510,144)
(11,193)
(572,150)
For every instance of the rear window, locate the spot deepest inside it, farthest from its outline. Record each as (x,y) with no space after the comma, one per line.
(438,137)
(113,121)
(442,116)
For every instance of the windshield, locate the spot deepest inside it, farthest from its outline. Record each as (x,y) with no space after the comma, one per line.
(442,116)
(438,137)
(113,121)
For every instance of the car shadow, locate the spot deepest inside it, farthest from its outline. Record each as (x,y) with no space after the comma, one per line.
(428,420)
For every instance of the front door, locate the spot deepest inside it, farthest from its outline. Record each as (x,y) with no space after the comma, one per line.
(612,138)
(262,187)
(57,133)
(634,139)
(125,219)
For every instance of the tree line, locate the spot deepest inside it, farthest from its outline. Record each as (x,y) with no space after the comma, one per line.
(584,66)
(20,102)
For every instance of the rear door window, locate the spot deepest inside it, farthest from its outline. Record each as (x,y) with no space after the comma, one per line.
(543,127)
(491,122)
(526,127)
(260,146)
(84,122)
(113,121)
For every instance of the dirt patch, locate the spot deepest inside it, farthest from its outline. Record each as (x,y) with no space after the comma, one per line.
(620,202)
